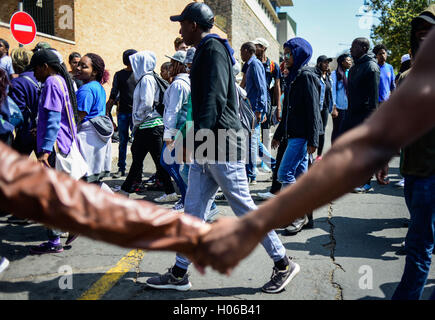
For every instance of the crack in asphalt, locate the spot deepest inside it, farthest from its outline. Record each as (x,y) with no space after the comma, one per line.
(331,245)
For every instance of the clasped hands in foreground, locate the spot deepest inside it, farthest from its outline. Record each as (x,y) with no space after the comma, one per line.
(224,244)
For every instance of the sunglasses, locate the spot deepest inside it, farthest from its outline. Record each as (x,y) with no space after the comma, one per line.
(287,56)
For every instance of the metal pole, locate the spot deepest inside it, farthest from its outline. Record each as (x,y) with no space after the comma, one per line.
(21,8)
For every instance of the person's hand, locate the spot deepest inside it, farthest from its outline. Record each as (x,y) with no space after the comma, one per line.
(221,247)
(258,115)
(275,144)
(43,159)
(334,112)
(170,144)
(311,149)
(382,176)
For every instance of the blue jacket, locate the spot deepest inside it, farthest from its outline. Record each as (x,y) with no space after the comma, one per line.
(256,86)
(339,95)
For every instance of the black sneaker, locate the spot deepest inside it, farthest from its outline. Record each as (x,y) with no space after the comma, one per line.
(280,279)
(151,180)
(169,281)
(220,197)
(119,174)
(296,226)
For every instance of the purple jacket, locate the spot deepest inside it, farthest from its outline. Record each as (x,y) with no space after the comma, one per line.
(26,94)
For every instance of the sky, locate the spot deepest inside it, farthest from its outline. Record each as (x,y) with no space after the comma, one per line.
(330,25)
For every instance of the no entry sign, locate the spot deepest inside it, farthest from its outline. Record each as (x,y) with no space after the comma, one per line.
(23,27)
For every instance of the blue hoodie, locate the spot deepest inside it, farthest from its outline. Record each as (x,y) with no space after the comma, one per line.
(302,52)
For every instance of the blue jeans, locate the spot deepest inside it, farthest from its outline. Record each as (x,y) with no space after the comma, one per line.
(174,171)
(265,156)
(125,123)
(204,182)
(294,162)
(253,141)
(419,243)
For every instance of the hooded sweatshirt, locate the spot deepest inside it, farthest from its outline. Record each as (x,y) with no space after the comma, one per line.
(302,98)
(418,159)
(146,92)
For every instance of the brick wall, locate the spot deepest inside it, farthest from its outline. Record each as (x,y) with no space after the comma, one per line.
(108,28)
(246,27)
(242,25)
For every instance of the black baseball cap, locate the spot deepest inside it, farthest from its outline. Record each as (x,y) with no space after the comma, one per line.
(323,59)
(196,12)
(42,56)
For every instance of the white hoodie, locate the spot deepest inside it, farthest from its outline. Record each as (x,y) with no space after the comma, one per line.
(147,92)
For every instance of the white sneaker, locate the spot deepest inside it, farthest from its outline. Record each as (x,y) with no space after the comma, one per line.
(266,195)
(173,197)
(4,263)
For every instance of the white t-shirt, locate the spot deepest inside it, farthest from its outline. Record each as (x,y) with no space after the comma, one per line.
(6,64)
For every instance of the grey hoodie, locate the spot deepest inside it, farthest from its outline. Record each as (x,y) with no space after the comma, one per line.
(147,91)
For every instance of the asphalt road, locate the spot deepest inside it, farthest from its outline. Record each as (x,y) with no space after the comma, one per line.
(350,254)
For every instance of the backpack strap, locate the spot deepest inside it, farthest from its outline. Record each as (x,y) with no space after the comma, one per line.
(70,120)
(37,85)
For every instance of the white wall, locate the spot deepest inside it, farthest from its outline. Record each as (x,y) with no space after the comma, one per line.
(263,16)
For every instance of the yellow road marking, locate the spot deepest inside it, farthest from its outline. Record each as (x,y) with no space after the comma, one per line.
(106,282)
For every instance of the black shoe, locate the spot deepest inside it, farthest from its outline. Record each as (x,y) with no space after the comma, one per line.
(296,226)
(119,174)
(156,187)
(310,223)
(151,180)
(220,197)
(169,281)
(281,278)
(131,188)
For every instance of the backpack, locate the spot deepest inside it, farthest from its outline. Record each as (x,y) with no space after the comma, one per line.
(247,116)
(162,84)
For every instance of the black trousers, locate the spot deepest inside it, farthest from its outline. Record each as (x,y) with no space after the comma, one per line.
(337,124)
(147,140)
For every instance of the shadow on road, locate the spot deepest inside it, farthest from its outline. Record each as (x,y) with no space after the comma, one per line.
(360,243)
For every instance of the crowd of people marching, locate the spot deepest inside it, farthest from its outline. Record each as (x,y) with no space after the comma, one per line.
(65,119)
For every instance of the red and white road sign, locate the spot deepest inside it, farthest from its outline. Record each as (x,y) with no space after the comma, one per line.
(23,27)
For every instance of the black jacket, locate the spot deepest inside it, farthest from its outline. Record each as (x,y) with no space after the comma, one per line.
(214,98)
(363,91)
(301,112)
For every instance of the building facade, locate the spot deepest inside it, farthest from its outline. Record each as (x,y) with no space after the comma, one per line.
(245,20)
(105,27)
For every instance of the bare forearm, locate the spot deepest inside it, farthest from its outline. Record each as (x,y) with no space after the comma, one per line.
(341,169)
(278,93)
(358,154)
(30,191)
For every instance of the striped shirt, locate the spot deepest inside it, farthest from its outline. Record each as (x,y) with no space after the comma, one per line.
(151,123)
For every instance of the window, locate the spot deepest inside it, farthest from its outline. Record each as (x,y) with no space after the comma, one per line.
(43,14)
(52,17)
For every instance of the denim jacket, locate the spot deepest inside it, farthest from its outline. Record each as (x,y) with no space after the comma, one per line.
(339,96)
